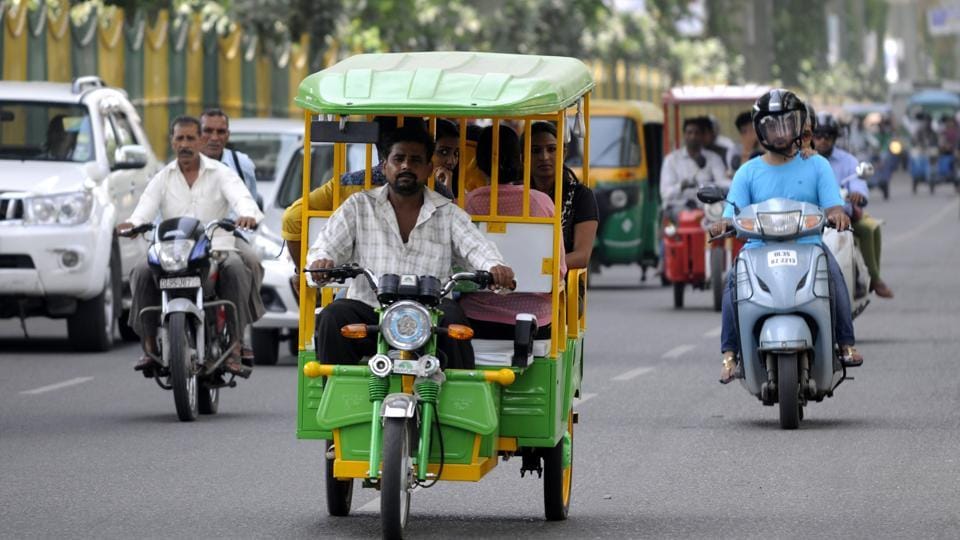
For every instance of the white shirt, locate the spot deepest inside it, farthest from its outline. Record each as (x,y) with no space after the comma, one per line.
(364,231)
(216,191)
(678,167)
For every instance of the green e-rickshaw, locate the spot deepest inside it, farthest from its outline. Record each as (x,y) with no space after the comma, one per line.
(399,421)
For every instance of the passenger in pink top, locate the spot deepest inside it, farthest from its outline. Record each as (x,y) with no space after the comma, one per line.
(492,316)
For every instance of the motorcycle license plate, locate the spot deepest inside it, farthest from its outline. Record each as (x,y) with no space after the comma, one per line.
(191,282)
(782,257)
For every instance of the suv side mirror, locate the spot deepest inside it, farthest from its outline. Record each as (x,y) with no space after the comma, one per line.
(130,156)
(711,194)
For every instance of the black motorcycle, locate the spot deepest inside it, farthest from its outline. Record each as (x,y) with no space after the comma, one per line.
(196,329)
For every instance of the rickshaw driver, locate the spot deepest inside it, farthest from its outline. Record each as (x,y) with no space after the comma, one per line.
(689,167)
(400,228)
(778,117)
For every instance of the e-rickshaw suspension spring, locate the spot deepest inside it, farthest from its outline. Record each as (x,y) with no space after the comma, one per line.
(378,387)
(428,391)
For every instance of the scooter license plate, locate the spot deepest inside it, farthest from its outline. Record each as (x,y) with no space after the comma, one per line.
(782,257)
(190,282)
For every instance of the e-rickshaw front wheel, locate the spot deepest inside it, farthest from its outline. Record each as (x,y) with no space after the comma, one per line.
(558,475)
(339,492)
(397,478)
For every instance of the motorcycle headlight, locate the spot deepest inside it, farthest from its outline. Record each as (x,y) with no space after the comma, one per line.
(406,325)
(618,199)
(174,254)
(779,223)
(62,209)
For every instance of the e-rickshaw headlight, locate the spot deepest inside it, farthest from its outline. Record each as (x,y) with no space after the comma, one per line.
(406,325)
(618,199)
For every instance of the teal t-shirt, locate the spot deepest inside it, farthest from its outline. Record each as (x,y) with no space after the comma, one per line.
(809,180)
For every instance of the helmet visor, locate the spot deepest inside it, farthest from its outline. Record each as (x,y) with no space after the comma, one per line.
(780,130)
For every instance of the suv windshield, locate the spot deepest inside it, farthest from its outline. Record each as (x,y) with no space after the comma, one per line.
(264,149)
(613,143)
(45,131)
(322,165)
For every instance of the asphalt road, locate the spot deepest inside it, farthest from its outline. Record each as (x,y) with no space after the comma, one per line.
(90,449)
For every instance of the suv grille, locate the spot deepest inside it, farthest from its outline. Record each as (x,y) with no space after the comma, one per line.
(10,209)
(16,261)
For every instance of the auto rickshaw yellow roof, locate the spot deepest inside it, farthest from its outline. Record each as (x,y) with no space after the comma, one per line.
(650,112)
(715,93)
(446,83)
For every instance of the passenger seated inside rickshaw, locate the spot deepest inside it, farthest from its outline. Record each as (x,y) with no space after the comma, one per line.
(493,316)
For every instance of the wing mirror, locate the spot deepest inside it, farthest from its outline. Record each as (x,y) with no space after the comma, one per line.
(130,156)
(865,170)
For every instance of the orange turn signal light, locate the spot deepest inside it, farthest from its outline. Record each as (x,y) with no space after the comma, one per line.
(354,331)
(810,222)
(748,224)
(460,332)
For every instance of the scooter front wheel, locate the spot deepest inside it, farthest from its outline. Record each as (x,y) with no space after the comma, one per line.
(788,390)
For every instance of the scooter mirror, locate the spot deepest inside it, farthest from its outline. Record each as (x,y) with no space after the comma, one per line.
(711,194)
(865,170)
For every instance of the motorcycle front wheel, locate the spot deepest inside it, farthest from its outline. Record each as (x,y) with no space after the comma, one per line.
(397,479)
(183,378)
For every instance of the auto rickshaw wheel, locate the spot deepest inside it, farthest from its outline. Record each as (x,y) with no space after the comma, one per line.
(678,295)
(339,492)
(557,479)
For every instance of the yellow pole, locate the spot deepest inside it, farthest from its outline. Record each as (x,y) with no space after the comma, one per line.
(307,295)
(527,161)
(495,167)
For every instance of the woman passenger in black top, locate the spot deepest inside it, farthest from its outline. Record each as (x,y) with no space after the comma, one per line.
(579,214)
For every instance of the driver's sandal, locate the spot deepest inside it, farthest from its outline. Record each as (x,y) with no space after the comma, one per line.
(851,357)
(234,366)
(729,371)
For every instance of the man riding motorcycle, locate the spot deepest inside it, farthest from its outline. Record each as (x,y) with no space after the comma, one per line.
(779,117)
(194,185)
(865,228)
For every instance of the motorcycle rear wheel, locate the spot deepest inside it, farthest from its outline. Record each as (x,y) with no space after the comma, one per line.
(788,390)
(183,378)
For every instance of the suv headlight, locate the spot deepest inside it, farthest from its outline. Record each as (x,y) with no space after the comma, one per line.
(62,209)
(406,325)
(174,254)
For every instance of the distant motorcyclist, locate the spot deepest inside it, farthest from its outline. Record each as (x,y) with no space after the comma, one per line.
(778,117)
(865,228)
(686,168)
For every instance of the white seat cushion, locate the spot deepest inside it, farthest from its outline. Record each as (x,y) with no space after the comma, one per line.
(499,352)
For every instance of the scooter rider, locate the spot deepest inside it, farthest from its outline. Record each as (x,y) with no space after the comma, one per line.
(689,167)
(865,228)
(778,117)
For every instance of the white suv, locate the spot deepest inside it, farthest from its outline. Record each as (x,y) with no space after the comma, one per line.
(75,162)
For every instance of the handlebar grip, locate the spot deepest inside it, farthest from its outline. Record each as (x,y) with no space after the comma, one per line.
(139,229)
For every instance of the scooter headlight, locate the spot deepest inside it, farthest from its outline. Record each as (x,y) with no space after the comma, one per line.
(174,254)
(406,325)
(779,223)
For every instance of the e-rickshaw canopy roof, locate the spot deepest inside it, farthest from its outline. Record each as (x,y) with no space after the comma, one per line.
(714,94)
(935,99)
(446,84)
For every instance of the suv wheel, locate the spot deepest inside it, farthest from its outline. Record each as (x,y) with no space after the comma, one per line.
(92,326)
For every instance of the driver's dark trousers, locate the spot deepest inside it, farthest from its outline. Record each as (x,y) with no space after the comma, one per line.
(842,311)
(333,348)
(236,283)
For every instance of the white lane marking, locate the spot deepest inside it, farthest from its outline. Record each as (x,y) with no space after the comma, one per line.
(930,222)
(374,505)
(713,333)
(57,386)
(679,351)
(584,397)
(633,373)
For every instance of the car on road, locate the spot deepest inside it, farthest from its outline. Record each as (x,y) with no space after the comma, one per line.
(75,161)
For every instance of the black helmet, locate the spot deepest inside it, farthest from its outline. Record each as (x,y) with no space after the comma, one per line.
(778,118)
(827,125)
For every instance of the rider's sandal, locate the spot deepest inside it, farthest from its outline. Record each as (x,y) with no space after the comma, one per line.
(235,366)
(851,357)
(246,356)
(146,362)
(728,372)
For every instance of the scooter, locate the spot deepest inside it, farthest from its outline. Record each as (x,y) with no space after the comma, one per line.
(195,335)
(788,354)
